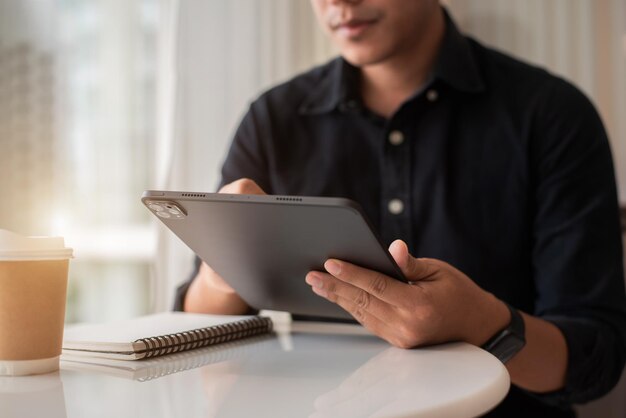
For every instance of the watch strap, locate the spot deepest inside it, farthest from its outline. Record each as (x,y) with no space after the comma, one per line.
(508,342)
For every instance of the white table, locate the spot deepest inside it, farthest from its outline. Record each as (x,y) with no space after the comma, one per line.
(307,370)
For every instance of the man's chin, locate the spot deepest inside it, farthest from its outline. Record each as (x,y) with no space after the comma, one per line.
(363,58)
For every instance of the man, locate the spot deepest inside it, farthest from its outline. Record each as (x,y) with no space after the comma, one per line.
(471,159)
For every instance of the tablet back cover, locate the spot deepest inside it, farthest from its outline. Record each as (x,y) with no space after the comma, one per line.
(264,246)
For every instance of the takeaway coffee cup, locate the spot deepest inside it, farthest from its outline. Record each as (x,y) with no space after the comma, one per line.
(33,285)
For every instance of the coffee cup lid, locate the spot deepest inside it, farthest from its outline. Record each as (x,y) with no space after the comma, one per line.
(15,247)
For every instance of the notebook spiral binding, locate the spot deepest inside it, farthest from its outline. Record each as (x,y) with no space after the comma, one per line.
(203,337)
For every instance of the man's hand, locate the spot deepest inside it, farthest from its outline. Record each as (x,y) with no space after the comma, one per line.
(440,304)
(209,292)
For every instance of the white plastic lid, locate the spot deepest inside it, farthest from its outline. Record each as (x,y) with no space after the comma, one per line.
(15,247)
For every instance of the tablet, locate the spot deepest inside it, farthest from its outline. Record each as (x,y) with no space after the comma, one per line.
(263,246)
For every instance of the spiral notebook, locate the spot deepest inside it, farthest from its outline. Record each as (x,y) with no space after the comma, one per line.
(160,334)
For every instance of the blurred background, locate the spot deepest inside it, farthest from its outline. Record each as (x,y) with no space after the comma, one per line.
(102,99)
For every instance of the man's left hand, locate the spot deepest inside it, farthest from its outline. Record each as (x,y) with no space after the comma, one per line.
(439,304)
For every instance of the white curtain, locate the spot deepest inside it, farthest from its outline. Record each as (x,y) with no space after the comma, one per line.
(169,254)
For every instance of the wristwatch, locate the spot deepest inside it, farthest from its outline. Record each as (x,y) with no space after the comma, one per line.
(508,342)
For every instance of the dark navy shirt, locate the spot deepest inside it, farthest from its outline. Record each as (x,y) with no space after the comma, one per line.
(494,166)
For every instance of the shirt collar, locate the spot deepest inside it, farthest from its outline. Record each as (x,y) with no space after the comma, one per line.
(455,65)
(337,89)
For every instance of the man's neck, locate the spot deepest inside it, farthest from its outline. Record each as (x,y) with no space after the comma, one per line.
(387,84)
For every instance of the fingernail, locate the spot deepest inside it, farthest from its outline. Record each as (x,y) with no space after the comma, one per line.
(315,281)
(332,267)
(396,243)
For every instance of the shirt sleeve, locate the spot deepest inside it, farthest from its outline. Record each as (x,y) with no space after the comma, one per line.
(245,159)
(577,248)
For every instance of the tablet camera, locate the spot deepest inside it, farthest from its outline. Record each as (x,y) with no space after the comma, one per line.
(167,210)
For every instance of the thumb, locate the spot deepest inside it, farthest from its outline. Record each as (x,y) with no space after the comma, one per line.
(412,268)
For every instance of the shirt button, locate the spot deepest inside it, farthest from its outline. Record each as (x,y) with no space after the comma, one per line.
(395,206)
(396,137)
(432,95)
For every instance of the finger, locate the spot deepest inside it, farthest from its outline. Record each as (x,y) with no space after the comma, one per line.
(375,283)
(413,268)
(242,186)
(388,330)
(330,288)
(378,326)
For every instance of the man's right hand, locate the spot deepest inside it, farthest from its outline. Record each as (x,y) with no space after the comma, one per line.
(209,292)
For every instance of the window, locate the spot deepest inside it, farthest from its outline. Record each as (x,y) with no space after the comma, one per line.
(77,128)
